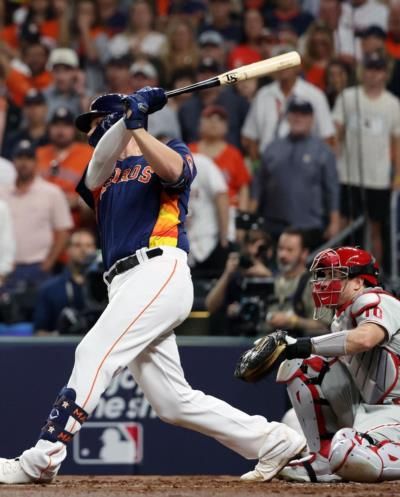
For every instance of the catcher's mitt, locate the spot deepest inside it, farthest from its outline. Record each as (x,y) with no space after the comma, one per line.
(258,361)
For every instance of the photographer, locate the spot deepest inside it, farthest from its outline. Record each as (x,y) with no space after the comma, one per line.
(242,288)
(291,307)
(63,297)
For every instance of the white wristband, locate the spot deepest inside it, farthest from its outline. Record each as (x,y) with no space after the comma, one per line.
(331,345)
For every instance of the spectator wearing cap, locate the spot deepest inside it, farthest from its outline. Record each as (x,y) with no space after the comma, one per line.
(140,37)
(181,50)
(367,118)
(235,105)
(248,51)
(117,75)
(165,123)
(193,10)
(7,242)
(41,219)
(64,159)
(298,170)
(229,159)
(32,73)
(372,39)
(34,127)
(40,17)
(267,117)
(319,50)
(222,20)
(211,44)
(393,38)
(66,90)
(288,12)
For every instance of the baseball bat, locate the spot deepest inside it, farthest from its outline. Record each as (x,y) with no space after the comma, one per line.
(255,70)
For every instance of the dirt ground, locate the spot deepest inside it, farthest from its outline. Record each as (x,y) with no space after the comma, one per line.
(192,486)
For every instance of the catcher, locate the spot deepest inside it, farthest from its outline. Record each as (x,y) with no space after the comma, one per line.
(345,385)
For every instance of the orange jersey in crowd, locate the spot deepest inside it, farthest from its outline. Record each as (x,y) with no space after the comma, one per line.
(316,76)
(66,169)
(48,29)
(231,162)
(19,84)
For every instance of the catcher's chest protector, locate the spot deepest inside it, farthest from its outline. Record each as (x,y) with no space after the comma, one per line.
(376,372)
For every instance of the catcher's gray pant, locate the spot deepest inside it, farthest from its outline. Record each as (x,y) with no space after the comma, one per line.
(136,330)
(361,441)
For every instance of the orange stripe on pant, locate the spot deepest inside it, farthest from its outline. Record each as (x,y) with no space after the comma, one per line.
(121,336)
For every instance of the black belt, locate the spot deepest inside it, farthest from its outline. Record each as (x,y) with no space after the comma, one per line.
(129,263)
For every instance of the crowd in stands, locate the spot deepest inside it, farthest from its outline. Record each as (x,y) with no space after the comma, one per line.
(284,162)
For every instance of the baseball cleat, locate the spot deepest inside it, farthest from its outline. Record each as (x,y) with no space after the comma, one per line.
(290,445)
(313,468)
(11,472)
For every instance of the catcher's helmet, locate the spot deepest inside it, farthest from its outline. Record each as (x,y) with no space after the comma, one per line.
(101,106)
(331,266)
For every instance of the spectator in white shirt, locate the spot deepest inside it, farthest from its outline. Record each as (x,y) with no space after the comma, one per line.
(367,118)
(267,117)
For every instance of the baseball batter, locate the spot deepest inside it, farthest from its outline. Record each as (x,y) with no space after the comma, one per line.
(139,188)
(347,396)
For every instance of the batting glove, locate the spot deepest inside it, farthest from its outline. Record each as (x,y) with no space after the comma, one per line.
(154,97)
(140,104)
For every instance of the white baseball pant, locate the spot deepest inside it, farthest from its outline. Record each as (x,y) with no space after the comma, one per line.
(136,330)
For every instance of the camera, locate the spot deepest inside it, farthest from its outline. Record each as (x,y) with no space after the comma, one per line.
(246,221)
(253,304)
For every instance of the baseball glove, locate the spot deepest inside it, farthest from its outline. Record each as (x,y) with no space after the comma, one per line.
(258,361)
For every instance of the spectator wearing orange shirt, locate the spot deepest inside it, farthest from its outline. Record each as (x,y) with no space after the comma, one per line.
(32,74)
(39,14)
(229,159)
(249,51)
(319,51)
(63,160)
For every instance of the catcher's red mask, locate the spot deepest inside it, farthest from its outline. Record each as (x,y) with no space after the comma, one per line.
(331,267)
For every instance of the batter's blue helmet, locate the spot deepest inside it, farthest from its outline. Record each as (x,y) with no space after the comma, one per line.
(101,106)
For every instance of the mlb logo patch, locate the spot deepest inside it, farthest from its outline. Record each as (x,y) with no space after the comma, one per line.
(109,443)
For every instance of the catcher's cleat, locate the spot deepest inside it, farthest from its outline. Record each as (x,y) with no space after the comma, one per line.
(11,472)
(288,445)
(313,468)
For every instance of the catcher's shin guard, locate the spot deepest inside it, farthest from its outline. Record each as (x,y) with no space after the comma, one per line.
(358,457)
(303,379)
(64,410)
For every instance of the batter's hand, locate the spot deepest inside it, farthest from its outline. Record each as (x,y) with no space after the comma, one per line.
(154,97)
(140,104)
